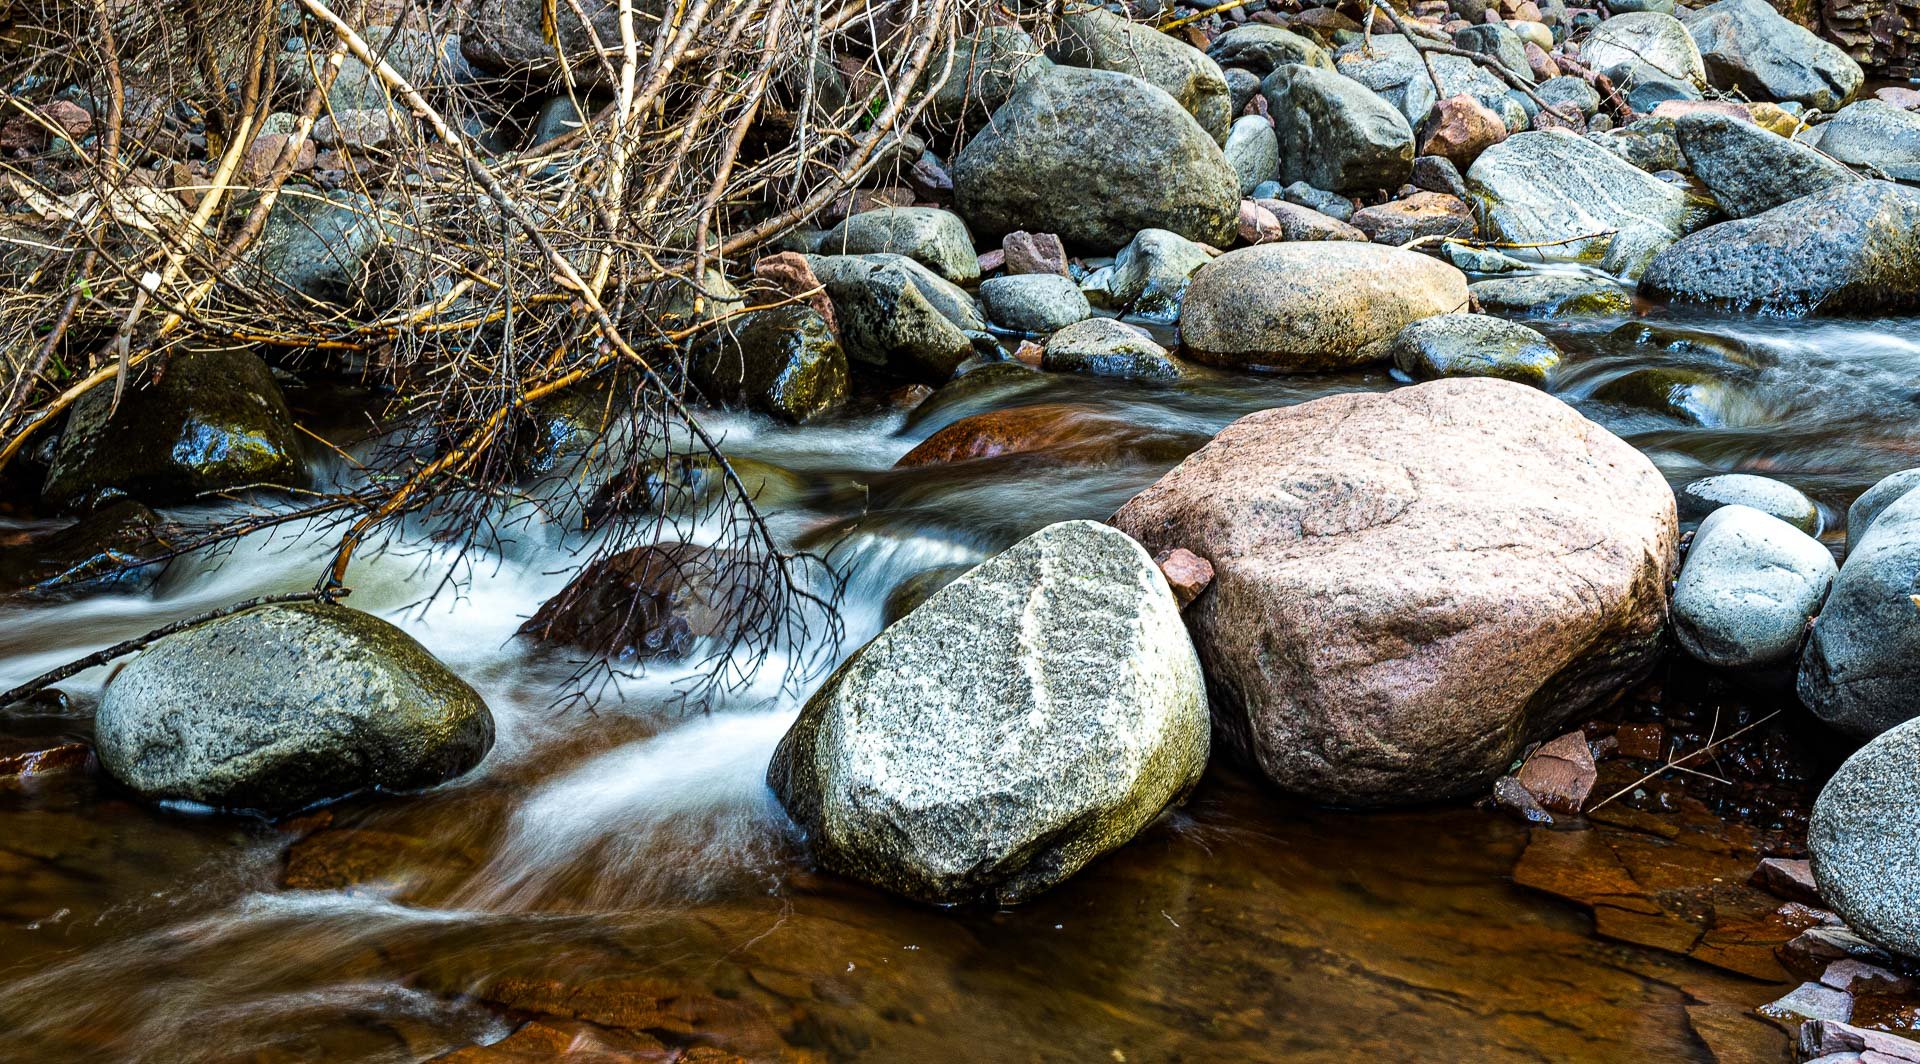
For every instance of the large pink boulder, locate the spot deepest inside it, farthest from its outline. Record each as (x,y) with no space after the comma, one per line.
(1410,586)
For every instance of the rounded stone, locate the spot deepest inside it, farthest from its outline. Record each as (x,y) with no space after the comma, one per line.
(1865,509)
(1765,494)
(1474,345)
(1861,840)
(1750,583)
(1035,303)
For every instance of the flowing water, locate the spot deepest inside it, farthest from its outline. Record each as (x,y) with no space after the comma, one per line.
(627,863)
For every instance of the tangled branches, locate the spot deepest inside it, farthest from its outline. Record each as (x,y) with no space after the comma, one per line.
(369,190)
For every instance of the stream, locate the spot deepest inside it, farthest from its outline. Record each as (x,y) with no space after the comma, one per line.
(626,859)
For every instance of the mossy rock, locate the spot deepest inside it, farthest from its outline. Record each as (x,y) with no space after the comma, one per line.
(784,362)
(213,421)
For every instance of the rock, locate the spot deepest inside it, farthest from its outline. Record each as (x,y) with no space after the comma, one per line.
(1550,295)
(647,602)
(1822,1038)
(362,129)
(1187,574)
(1701,497)
(1034,253)
(1103,347)
(1242,87)
(1750,584)
(1311,306)
(1537,188)
(1151,274)
(1850,249)
(317,247)
(98,554)
(1473,345)
(282,706)
(1253,150)
(1863,657)
(1035,303)
(524,37)
(689,483)
(1875,135)
(1868,507)
(1461,129)
(1563,91)
(913,592)
(214,421)
(1436,173)
(1647,42)
(1861,840)
(1411,551)
(784,362)
(1750,49)
(1649,144)
(1104,41)
(416,55)
(959,756)
(1750,170)
(898,315)
(1305,223)
(1258,225)
(1057,434)
(1393,69)
(1498,42)
(1088,154)
(987,66)
(1787,879)
(1809,1001)
(932,237)
(789,274)
(1647,90)
(1259,48)
(1330,204)
(1419,216)
(1561,773)
(1334,134)
(1512,795)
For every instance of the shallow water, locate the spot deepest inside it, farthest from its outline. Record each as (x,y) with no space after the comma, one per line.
(632,856)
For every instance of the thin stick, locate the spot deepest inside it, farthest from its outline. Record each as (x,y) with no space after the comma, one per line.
(1680,762)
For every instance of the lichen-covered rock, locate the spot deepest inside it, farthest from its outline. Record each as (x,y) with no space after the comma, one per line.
(1474,345)
(214,421)
(1312,306)
(1102,40)
(1151,274)
(1095,156)
(987,65)
(932,237)
(1849,249)
(1750,170)
(1861,840)
(1551,295)
(897,315)
(784,362)
(1750,584)
(1861,664)
(1749,48)
(282,706)
(1028,717)
(1334,133)
(1410,586)
(1103,347)
(1875,135)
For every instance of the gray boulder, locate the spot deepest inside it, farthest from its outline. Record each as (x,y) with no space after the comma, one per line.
(1261,48)
(1151,274)
(1103,347)
(1876,135)
(1852,248)
(215,421)
(1035,303)
(1295,307)
(784,362)
(1861,665)
(932,237)
(1645,41)
(1750,169)
(1497,42)
(1095,157)
(1750,583)
(1305,223)
(527,37)
(1253,150)
(1473,345)
(987,66)
(1026,718)
(1244,85)
(1543,187)
(415,55)
(283,706)
(1331,204)
(1567,89)
(1392,68)
(1334,133)
(1861,840)
(1102,40)
(898,315)
(1749,48)
(1649,144)
(1551,295)
(1701,497)
(319,247)
(1884,493)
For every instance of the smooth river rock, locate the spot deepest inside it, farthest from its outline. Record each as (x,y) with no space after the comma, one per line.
(932,237)
(1699,498)
(1026,718)
(1312,306)
(1861,666)
(1095,156)
(1646,41)
(1474,345)
(1874,501)
(1750,583)
(1861,840)
(283,706)
(1875,135)
(898,315)
(1749,169)
(1410,586)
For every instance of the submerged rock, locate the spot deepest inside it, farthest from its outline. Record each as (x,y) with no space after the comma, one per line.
(1750,584)
(283,706)
(1032,715)
(1095,157)
(214,421)
(1473,345)
(1312,306)
(647,602)
(1057,433)
(1862,661)
(784,362)
(1862,840)
(1390,619)
(99,553)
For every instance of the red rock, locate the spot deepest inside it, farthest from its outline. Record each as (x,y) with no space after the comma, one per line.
(1030,353)
(788,272)
(1819,1038)
(1676,108)
(1541,63)
(1034,253)
(1561,773)
(646,602)
(1859,977)
(1186,572)
(1460,129)
(1258,225)
(1899,97)
(1422,214)
(992,260)
(1305,223)
(1648,742)
(264,155)
(1790,880)
(69,116)
(45,759)
(1063,432)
